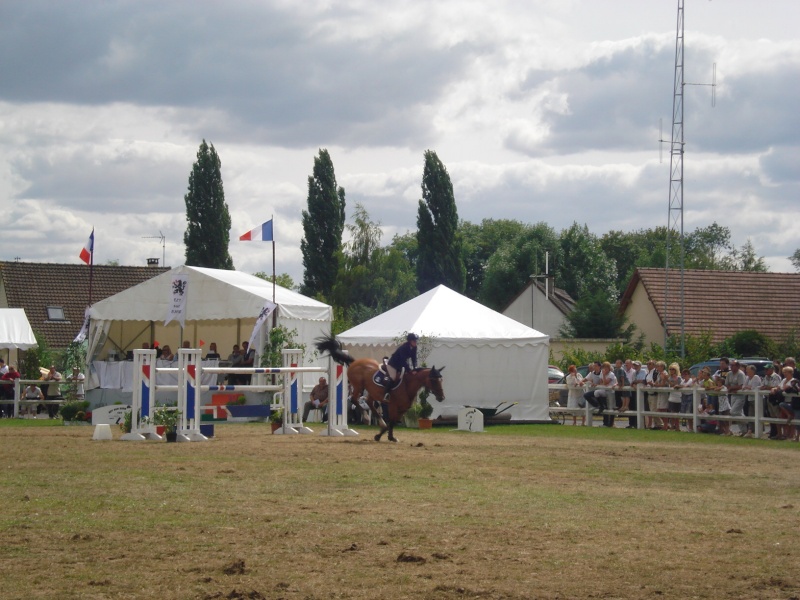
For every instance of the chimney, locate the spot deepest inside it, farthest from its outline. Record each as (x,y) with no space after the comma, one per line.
(152,262)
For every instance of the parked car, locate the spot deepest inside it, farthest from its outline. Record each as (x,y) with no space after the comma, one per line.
(713,364)
(554,374)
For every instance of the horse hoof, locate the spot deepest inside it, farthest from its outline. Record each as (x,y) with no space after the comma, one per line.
(391,439)
(377,438)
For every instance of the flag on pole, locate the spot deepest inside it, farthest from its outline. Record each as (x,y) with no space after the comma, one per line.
(88,249)
(262,233)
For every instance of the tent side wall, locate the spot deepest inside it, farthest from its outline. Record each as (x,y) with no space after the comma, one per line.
(484,375)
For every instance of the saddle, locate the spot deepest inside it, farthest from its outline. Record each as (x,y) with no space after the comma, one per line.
(381,377)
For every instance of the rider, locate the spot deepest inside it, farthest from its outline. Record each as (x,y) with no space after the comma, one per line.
(399,360)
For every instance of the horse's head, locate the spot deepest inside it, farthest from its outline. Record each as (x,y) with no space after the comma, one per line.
(434,383)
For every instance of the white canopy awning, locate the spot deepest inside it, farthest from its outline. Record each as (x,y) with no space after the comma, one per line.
(15,330)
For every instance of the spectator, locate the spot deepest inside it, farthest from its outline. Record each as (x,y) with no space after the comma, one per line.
(734,381)
(166,353)
(318,398)
(234,361)
(629,373)
(213,354)
(638,380)
(687,397)
(248,360)
(723,405)
(651,398)
(574,381)
(7,390)
(771,401)
(52,391)
(789,405)
(33,393)
(674,382)
(719,377)
(592,379)
(3,367)
(751,382)
(186,344)
(77,379)
(662,396)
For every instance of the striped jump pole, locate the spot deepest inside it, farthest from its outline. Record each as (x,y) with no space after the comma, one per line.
(338,400)
(190,372)
(143,396)
(292,394)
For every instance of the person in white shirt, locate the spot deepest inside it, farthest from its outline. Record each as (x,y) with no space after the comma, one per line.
(77,379)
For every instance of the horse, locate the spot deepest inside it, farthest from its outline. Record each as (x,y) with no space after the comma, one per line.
(360,375)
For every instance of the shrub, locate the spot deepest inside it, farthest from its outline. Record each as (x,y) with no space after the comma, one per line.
(69,410)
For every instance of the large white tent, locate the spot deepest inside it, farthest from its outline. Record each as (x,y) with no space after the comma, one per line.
(15,330)
(490,358)
(221,306)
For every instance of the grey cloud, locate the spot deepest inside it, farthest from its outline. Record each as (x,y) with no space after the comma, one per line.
(263,67)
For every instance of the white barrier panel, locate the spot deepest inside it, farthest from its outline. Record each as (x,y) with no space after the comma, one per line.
(470,419)
(142,397)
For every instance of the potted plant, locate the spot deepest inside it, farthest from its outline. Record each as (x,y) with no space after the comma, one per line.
(425,411)
(276,419)
(168,417)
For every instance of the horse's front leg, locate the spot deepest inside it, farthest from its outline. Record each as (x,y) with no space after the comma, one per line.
(391,432)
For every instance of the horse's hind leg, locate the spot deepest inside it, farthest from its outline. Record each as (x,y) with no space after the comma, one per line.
(391,432)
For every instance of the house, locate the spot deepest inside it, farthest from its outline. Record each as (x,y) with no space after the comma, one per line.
(541,306)
(55,296)
(720,302)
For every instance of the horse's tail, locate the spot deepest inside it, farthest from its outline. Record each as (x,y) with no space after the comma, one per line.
(329,344)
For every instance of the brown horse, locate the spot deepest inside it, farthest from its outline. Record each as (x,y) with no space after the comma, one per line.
(360,375)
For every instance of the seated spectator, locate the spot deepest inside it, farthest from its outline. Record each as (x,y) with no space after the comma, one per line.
(167,354)
(317,399)
(248,360)
(235,361)
(213,354)
(186,344)
(33,393)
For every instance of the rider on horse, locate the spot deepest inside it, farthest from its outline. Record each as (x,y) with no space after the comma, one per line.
(400,359)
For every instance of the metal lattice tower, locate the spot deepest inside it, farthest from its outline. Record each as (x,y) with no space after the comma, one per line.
(674,308)
(674,312)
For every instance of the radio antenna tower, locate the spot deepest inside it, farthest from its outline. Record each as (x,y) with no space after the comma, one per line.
(674,315)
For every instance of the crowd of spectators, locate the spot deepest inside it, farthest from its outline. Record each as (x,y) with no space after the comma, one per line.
(612,391)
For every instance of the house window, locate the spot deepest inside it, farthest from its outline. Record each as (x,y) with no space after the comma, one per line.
(55,313)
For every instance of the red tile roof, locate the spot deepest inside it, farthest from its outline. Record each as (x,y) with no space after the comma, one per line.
(724,302)
(35,286)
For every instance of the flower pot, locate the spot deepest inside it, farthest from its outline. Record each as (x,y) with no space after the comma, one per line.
(160,429)
(276,426)
(425,423)
(172,436)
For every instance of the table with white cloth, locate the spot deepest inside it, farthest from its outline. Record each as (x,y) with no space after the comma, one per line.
(119,375)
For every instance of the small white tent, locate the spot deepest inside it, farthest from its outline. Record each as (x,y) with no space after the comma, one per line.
(15,330)
(221,306)
(489,358)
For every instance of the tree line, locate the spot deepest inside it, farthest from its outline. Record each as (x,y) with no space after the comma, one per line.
(490,261)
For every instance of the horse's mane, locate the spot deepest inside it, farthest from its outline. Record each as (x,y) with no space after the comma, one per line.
(329,344)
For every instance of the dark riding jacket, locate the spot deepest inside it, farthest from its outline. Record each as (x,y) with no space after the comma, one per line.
(402,355)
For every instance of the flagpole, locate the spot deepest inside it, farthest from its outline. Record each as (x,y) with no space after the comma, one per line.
(91,268)
(275,313)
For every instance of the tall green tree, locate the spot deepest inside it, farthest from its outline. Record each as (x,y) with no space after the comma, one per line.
(439,244)
(323,224)
(208,220)
(597,316)
(479,243)
(510,267)
(584,267)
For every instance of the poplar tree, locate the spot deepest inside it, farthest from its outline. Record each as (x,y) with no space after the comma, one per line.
(323,224)
(208,221)
(439,260)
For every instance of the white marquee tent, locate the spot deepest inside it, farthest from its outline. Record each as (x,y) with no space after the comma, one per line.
(221,307)
(15,330)
(490,358)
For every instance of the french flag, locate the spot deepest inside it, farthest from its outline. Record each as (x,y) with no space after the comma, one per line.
(261,233)
(88,250)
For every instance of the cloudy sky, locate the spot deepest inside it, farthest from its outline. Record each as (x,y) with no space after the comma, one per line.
(542,110)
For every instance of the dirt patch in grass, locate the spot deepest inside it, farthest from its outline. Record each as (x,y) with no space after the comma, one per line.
(526,514)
